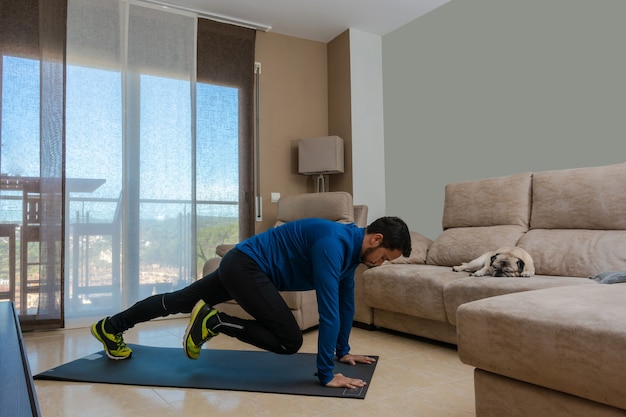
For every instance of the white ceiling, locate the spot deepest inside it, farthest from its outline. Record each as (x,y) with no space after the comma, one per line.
(319,20)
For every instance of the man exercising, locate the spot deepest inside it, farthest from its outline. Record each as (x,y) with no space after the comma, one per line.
(308,254)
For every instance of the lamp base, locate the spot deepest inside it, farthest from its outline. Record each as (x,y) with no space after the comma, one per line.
(321,179)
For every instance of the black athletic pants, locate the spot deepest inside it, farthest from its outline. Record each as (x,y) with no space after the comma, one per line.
(238,277)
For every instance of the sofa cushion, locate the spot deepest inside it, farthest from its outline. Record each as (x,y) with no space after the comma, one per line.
(470,289)
(581,198)
(462,244)
(414,290)
(578,253)
(488,202)
(419,250)
(570,339)
(481,216)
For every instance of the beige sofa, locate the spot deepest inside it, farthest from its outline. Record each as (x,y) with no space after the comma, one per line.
(337,206)
(572,222)
(554,341)
(546,353)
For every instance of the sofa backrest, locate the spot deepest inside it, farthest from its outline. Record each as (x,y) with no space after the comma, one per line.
(571,221)
(582,198)
(481,216)
(336,206)
(578,221)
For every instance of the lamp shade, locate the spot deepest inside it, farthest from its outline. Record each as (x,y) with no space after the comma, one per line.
(322,155)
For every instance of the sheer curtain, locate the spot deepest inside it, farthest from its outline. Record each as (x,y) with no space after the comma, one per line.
(130,79)
(167,155)
(32,36)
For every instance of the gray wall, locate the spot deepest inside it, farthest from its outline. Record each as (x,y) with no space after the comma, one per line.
(485,88)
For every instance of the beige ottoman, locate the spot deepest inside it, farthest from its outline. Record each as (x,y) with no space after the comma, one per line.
(551,352)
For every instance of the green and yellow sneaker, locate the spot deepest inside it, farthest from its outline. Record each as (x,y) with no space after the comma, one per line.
(114,345)
(197,332)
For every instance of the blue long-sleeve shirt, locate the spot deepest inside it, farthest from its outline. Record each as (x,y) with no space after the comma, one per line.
(315,254)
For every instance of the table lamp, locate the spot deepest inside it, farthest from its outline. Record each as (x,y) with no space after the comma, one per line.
(320,156)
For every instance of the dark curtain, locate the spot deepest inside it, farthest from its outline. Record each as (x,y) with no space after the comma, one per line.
(36,29)
(226,57)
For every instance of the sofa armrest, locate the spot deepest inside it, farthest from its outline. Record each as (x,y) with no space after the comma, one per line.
(221,250)
(210,265)
(360,215)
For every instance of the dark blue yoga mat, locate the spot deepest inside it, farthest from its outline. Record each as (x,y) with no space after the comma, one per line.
(234,370)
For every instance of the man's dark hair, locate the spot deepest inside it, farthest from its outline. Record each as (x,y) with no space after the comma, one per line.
(395,233)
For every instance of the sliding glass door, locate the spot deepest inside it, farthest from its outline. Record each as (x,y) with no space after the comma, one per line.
(125,183)
(132,105)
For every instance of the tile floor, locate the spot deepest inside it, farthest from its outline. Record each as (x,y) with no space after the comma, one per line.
(413,378)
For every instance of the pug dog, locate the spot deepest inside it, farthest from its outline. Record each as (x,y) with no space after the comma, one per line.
(505,262)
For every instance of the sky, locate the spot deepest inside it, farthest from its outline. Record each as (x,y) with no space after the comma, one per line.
(94,137)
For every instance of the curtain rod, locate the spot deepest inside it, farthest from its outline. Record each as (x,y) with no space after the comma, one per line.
(214,16)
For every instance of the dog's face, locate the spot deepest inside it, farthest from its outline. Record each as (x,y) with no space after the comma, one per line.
(506,265)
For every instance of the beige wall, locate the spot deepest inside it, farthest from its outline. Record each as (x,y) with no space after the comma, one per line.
(294,104)
(339,105)
(305,92)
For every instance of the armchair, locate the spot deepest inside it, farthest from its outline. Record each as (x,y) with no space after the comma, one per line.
(336,206)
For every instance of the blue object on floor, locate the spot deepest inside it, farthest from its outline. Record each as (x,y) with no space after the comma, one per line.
(235,370)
